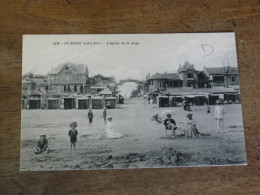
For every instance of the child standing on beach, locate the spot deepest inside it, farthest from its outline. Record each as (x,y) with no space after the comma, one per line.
(73,134)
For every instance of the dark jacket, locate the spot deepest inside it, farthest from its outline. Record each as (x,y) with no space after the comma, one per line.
(90,115)
(42,144)
(172,121)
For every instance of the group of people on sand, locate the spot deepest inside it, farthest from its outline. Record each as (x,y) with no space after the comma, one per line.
(191,130)
(42,144)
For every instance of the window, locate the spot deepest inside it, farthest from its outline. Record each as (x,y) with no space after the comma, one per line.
(233,78)
(189,76)
(67,77)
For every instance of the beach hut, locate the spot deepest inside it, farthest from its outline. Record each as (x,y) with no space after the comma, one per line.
(200,100)
(83,103)
(191,99)
(53,103)
(68,102)
(97,102)
(213,98)
(34,103)
(230,97)
(176,100)
(164,101)
(110,102)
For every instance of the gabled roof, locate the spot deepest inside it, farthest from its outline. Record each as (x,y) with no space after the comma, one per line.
(169,76)
(186,66)
(222,70)
(77,68)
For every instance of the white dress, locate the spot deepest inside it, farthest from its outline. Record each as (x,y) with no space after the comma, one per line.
(111,132)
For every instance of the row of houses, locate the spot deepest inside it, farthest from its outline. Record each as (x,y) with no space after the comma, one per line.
(188,76)
(69,86)
(198,87)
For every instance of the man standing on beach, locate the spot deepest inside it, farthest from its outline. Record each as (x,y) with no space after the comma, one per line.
(219,115)
(90,117)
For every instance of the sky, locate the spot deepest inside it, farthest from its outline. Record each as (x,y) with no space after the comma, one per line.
(144,53)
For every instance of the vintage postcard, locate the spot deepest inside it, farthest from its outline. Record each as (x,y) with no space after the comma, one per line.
(119,101)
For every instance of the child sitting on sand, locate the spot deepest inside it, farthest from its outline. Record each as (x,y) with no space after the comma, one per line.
(42,145)
(73,134)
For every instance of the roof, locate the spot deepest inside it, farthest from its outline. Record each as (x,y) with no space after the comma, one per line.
(105,92)
(197,91)
(97,87)
(186,66)
(169,76)
(221,70)
(78,68)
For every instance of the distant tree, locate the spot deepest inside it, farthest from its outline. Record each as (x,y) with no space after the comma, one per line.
(29,75)
(135,93)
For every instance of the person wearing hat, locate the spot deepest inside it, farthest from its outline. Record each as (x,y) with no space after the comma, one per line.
(105,115)
(90,117)
(73,134)
(191,129)
(170,124)
(219,115)
(111,133)
(42,145)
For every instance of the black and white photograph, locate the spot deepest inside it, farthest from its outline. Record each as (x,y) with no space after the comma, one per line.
(127,101)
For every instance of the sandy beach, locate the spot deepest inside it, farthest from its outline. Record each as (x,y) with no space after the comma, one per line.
(144,145)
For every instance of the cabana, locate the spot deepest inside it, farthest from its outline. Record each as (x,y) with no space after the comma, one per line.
(34,103)
(164,101)
(83,103)
(53,103)
(68,102)
(97,102)
(200,100)
(213,98)
(190,99)
(110,102)
(230,98)
(176,100)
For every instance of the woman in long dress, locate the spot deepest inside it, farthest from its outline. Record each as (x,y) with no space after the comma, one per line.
(111,133)
(191,129)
